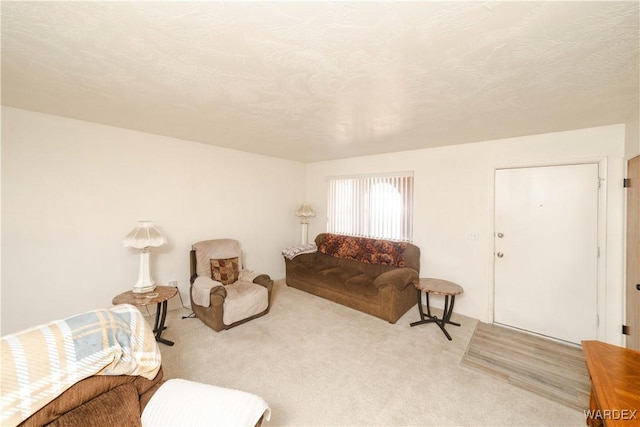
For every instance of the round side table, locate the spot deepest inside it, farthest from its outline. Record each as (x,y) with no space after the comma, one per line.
(438,287)
(160,295)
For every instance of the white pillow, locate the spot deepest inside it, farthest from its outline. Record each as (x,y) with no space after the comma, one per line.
(181,402)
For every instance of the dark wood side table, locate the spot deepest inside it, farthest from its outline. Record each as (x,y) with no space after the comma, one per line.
(160,295)
(438,287)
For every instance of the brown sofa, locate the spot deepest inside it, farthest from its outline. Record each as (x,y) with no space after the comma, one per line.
(369,275)
(100,400)
(107,401)
(103,368)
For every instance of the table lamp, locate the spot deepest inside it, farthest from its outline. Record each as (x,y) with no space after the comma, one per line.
(305,212)
(144,236)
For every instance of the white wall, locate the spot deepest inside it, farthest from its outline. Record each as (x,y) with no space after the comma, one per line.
(454,198)
(71,190)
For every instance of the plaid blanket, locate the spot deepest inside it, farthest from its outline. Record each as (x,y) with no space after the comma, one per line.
(40,363)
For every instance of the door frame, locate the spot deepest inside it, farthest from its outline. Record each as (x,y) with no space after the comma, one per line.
(601,291)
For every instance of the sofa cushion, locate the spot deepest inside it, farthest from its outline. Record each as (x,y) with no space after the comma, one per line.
(369,251)
(88,389)
(225,271)
(117,407)
(361,284)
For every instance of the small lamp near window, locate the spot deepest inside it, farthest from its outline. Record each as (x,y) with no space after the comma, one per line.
(143,237)
(304,212)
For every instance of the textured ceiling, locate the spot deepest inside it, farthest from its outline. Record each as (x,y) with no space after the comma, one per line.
(313,81)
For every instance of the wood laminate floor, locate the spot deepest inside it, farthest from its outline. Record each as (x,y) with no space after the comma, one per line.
(551,369)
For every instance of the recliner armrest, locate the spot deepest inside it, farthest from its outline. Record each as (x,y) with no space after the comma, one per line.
(206,291)
(217,296)
(263,280)
(399,277)
(219,290)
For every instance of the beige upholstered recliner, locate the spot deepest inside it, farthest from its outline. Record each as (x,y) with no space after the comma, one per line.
(223,293)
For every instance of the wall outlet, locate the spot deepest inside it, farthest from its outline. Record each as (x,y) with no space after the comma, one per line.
(173,283)
(474,235)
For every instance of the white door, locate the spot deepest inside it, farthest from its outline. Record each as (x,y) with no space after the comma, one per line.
(546,250)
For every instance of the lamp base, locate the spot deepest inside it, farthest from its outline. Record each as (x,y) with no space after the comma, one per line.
(145,282)
(143,290)
(304,224)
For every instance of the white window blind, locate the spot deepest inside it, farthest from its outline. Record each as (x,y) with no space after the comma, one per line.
(375,206)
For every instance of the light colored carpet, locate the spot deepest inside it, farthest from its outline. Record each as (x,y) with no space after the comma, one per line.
(319,363)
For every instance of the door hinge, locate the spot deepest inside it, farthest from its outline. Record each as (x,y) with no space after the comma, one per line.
(600,182)
(597,320)
(598,251)
(626,182)
(625,330)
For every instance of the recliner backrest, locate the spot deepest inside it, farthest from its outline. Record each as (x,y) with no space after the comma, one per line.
(207,250)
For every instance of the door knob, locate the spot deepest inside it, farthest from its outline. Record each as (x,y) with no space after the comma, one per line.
(500,235)
(500,254)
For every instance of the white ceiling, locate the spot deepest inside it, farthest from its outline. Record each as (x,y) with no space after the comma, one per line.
(313,81)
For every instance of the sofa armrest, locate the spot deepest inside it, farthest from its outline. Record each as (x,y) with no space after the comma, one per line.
(304,259)
(399,277)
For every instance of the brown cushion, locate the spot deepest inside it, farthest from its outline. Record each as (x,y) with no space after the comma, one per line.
(84,391)
(225,271)
(361,284)
(214,249)
(362,249)
(118,407)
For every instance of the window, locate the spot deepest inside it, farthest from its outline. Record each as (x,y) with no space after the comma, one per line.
(376,206)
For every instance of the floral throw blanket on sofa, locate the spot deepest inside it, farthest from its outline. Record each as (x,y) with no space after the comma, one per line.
(40,363)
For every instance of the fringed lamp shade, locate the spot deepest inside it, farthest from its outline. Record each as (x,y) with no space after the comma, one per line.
(304,212)
(144,236)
